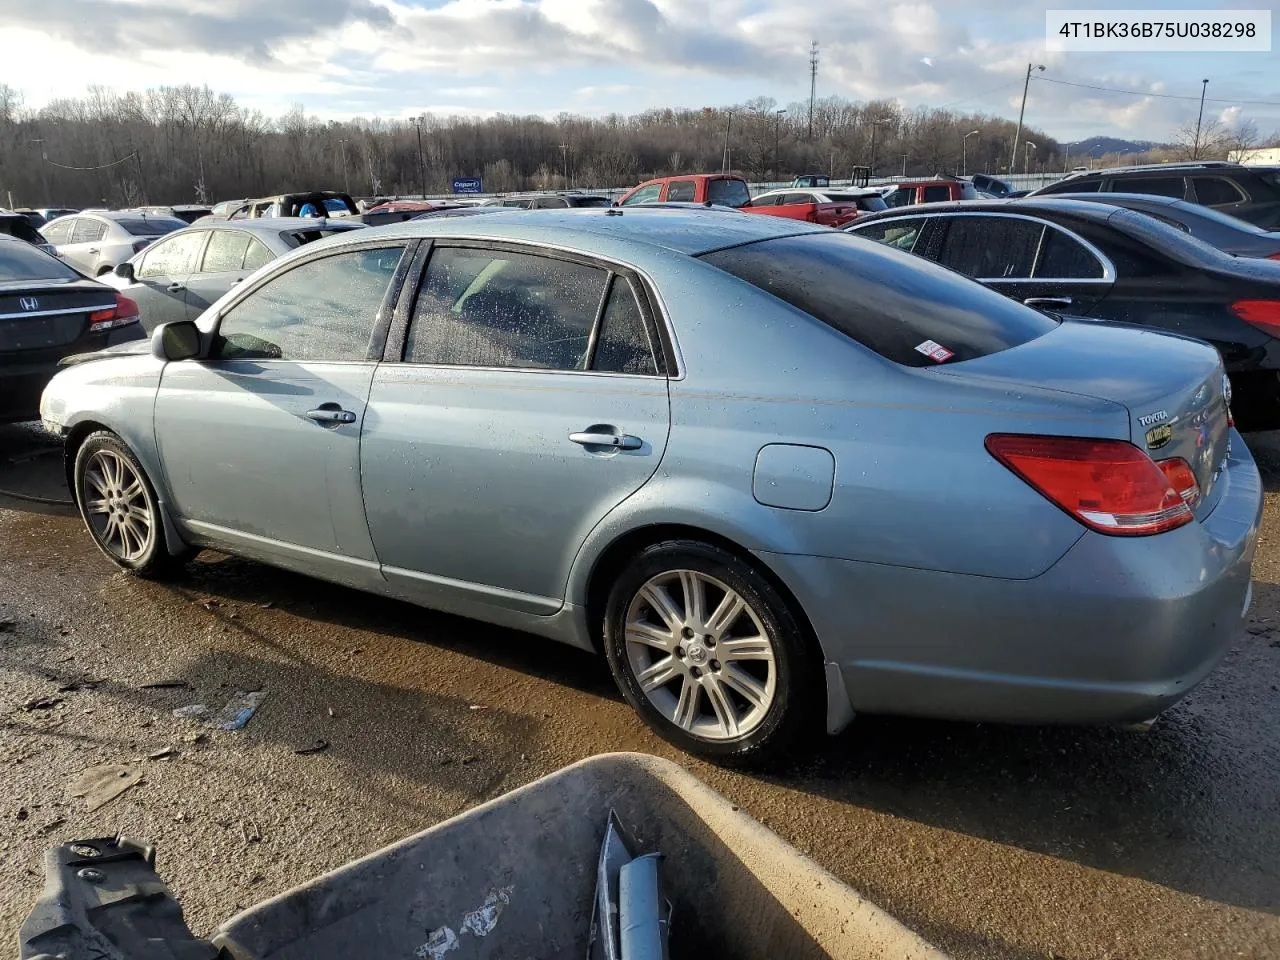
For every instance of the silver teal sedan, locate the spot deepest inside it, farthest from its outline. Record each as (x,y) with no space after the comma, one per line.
(775,473)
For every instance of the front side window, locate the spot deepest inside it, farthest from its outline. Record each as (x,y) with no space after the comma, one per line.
(990,248)
(225,252)
(88,231)
(173,257)
(680,191)
(494,308)
(894,233)
(728,193)
(1216,191)
(898,305)
(58,232)
(1065,258)
(647,194)
(901,197)
(937,194)
(322,310)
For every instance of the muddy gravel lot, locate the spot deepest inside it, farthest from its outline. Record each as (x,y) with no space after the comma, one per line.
(991,841)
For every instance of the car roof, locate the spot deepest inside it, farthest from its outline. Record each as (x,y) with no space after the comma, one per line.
(1086,209)
(829,188)
(1152,198)
(690,231)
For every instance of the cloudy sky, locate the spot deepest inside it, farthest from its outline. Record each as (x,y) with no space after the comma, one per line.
(396,58)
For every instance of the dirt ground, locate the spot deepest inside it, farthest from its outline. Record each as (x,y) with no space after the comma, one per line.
(993,842)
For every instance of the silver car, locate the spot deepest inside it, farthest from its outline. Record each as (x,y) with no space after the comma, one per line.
(177,277)
(95,242)
(776,473)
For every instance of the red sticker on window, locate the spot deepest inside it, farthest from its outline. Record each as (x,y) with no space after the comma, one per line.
(935,351)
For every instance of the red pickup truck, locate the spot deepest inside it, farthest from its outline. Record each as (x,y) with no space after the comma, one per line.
(828,205)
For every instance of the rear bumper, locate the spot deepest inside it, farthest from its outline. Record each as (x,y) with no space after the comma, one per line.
(1118,630)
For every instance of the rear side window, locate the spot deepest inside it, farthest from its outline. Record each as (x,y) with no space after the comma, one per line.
(1216,191)
(728,193)
(896,233)
(680,190)
(622,345)
(1065,258)
(1158,186)
(495,308)
(257,255)
(937,194)
(990,248)
(900,306)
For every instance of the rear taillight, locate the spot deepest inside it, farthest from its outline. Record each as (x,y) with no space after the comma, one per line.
(1108,485)
(1180,476)
(1274,256)
(140,245)
(1263,314)
(122,314)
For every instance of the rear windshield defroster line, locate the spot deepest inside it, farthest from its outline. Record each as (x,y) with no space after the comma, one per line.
(887,300)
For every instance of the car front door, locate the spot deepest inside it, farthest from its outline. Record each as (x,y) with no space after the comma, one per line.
(229,257)
(160,277)
(531,400)
(260,440)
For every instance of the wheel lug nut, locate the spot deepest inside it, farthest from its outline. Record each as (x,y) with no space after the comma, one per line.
(715,664)
(680,652)
(709,640)
(687,633)
(696,672)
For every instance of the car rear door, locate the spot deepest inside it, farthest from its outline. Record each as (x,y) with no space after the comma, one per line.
(83,248)
(161,275)
(260,441)
(221,267)
(530,401)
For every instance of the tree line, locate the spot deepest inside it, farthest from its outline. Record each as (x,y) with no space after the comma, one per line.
(188,144)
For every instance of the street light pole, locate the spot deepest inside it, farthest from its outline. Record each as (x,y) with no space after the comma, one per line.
(904,165)
(1013,156)
(964,153)
(1026,156)
(564,158)
(777,128)
(725,160)
(346,180)
(875,123)
(422,166)
(1195,150)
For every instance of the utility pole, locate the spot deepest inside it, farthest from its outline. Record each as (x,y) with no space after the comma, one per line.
(44,172)
(142,183)
(777,127)
(724,162)
(813,82)
(346,180)
(422,166)
(1195,150)
(904,165)
(964,153)
(880,122)
(1013,157)
(564,157)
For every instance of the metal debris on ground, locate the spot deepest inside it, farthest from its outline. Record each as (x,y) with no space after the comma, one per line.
(192,711)
(318,747)
(239,710)
(163,754)
(630,918)
(165,685)
(100,785)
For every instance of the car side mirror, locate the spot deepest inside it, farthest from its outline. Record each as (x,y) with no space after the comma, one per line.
(124,271)
(179,340)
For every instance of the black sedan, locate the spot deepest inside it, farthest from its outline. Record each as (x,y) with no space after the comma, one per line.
(1240,238)
(1108,263)
(49,311)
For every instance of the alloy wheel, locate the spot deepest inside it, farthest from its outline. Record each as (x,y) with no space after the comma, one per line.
(701,654)
(117,506)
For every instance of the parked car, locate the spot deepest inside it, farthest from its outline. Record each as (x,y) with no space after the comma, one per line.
(186,212)
(721,189)
(319,203)
(53,213)
(19,226)
(95,242)
(177,277)
(460,211)
(33,217)
(1230,234)
(550,201)
(1250,193)
(990,186)
(906,193)
(225,208)
(876,475)
(831,206)
(49,311)
(1109,263)
(811,180)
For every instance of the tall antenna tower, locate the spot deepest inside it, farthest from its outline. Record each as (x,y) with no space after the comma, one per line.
(813,82)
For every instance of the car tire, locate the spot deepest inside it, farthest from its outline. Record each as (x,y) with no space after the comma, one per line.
(120,508)
(731,676)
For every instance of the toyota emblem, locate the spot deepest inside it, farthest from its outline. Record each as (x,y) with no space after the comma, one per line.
(29,303)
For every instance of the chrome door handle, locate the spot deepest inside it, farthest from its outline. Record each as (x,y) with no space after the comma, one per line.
(1047,301)
(331,415)
(621,441)
(94,250)
(175,288)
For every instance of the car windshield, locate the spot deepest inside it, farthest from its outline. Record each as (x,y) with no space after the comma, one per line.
(906,309)
(151,226)
(21,261)
(728,192)
(593,202)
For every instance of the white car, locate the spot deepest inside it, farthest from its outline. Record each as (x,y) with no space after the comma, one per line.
(95,242)
(867,199)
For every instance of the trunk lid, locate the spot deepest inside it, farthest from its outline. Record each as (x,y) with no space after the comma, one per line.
(41,315)
(1173,387)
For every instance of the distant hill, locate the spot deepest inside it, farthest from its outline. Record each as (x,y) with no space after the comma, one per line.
(1100,146)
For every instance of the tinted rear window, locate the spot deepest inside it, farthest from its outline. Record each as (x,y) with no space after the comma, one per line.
(891,302)
(728,193)
(1160,186)
(22,261)
(592,202)
(152,226)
